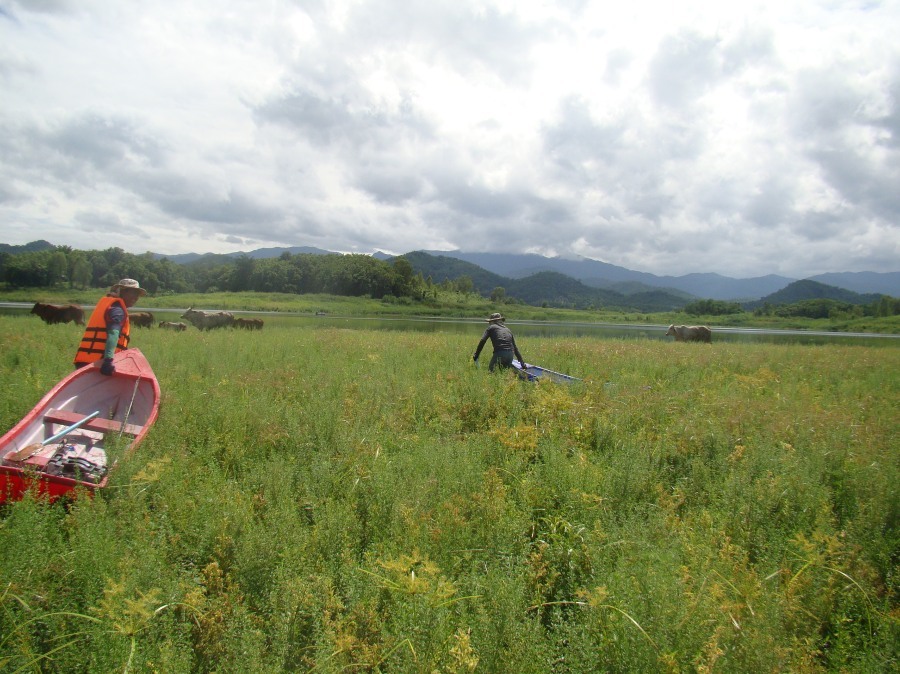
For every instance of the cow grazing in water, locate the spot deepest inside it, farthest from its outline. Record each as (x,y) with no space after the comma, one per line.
(207,320)
(59,313)
(248,323)
(169,325)
(690,333)
(141,319)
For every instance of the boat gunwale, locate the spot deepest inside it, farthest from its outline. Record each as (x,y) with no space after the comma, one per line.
(131,365)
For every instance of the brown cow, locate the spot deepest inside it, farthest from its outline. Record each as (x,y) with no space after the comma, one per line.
(248,323)
(692,333)
(59,313)
(169,325)
(141,319)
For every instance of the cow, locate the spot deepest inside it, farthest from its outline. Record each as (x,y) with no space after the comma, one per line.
(692,333)
(169,325)
(207,320)
(248,323)
(141,319)
(59,313)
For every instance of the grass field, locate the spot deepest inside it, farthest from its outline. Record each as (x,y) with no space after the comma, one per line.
(347,500)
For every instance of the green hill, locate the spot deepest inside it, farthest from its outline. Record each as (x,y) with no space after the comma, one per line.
(33,247)
(546,287)
(441,268)
(800,291)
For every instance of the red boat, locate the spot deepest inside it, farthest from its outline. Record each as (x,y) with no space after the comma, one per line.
(64,442)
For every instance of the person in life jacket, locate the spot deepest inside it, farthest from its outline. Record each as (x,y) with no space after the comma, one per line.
(108,330)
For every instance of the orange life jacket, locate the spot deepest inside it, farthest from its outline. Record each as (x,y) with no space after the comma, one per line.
(93,342)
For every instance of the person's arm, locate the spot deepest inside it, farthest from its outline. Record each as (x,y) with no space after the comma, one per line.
(115,317)
(517,352)
(484,339)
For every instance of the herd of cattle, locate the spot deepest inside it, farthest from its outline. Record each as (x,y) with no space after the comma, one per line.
(207,320)
(203,320)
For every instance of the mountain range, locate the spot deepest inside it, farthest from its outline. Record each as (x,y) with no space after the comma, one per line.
(604,275)
(520,274)
(704,285)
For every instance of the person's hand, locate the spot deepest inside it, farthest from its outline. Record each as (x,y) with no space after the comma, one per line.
(107,367)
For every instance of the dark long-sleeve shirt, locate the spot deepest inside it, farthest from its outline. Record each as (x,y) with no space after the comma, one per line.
(501,339)
(115,317)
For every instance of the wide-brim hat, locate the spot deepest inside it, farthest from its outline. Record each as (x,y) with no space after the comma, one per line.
(495,317)
(129,283)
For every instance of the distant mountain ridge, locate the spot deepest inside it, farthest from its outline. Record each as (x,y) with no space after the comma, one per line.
(702,285)
(509,267)
(556,289)
(543,287)
(887,283)
(258,254)
(605,275)
(32,247)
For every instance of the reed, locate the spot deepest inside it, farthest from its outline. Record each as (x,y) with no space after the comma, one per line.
(328,500)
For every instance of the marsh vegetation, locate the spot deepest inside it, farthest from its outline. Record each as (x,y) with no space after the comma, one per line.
(319,499)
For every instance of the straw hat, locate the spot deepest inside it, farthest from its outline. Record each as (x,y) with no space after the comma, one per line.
(128,283)
(495,318)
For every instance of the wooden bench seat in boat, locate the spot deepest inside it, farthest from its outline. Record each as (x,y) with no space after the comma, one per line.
(96,424)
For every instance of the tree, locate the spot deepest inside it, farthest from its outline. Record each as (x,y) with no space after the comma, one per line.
(712,308)
(81,273)
(270,275)
(887,306)
(243,272)
(404,278)
(57,267)
(498,295)
(27,270)
(464,285)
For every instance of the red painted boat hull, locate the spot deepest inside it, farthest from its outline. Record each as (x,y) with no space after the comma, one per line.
(128,404)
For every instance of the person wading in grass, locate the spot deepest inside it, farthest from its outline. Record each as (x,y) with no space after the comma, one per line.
(108,330)
(503,342)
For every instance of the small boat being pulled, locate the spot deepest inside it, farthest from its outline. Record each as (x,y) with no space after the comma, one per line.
(62,443)
(531,372)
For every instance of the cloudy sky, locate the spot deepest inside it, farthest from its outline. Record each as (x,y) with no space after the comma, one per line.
(743,138)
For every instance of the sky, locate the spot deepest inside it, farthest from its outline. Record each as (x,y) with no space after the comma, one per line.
(742,138)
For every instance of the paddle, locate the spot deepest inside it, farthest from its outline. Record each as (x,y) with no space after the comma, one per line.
(130,405)
(29,451)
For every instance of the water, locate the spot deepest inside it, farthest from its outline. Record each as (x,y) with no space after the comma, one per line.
(601,330)
(557,330)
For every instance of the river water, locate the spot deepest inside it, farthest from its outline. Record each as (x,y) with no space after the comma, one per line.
(535,328)
(605,330)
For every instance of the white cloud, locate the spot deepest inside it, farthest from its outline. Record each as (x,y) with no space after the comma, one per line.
(745,139)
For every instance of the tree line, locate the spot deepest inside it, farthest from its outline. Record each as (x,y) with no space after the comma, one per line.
(354,275)
(820,307)
(350,275)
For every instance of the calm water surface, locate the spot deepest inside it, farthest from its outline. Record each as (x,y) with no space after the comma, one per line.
(603,330)
(535,328)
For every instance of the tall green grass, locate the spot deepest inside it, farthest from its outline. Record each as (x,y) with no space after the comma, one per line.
(332,500)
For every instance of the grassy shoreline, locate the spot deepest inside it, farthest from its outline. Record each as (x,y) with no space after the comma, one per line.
(451,306)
